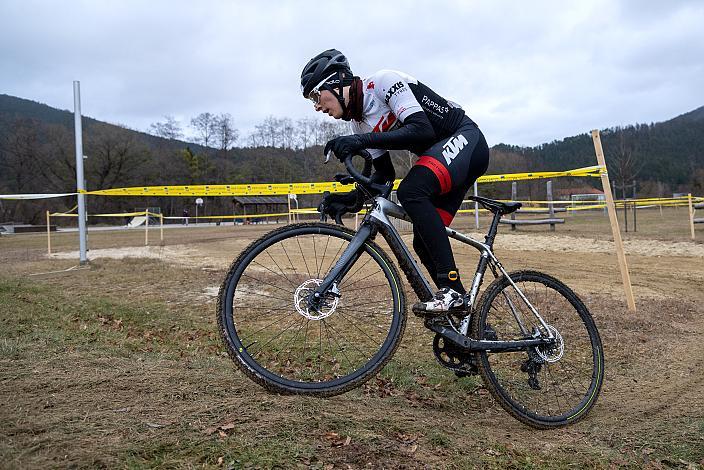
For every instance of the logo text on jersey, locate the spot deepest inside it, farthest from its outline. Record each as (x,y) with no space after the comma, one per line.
(370,86)
(397,87)
(453,147)
(433,105)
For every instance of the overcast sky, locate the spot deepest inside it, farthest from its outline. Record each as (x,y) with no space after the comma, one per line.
(526,72)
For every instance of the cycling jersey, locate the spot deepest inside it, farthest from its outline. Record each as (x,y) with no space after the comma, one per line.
(391,96)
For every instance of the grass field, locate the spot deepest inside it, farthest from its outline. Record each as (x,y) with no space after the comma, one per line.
(119,364)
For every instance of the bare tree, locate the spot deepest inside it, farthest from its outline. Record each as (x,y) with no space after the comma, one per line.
(625,165)
(225,132)
(305,132)
(205,126)
(113,156)
(170,128)
(20,147)
(286,133)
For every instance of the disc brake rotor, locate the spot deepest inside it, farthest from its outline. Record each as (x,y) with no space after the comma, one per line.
(326,307)
(555,351)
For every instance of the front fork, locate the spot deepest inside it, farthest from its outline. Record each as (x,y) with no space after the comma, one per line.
(342,267)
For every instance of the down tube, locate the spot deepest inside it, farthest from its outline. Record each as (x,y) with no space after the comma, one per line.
(410,268)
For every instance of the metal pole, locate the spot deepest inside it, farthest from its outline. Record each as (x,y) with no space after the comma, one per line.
(691,214)
(48,232)
(476,207)
(80,181)
(146,228)
(514,197)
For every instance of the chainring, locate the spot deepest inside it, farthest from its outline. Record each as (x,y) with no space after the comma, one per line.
(453,358)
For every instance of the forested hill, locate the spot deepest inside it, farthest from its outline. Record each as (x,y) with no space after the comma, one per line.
(670,152)
(37,154)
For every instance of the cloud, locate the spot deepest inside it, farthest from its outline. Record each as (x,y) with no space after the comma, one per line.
(528,72)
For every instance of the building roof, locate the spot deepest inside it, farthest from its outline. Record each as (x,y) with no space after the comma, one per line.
(260,200)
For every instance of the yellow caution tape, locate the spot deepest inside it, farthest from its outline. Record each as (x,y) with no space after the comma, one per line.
(307,188)
(241,216)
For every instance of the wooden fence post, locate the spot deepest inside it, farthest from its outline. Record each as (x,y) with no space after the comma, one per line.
(623,265)
(551,206)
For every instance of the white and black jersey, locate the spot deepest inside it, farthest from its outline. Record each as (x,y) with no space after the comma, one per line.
(389,97)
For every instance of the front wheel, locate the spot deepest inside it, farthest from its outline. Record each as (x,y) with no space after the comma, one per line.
(543,387)
(280,342)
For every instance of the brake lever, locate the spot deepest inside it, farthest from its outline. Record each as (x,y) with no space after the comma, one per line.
(343,178)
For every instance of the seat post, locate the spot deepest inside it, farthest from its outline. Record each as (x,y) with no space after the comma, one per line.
(493,228)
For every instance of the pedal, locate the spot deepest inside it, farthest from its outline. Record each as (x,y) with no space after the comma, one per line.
(418,310)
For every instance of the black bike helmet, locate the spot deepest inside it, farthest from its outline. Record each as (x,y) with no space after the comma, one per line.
(322,67)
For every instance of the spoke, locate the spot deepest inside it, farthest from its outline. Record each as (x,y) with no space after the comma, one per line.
(335,258)
(345,286)
(282,308)
(303,255)
(261,346)
(268,296)
(546,382)
(283,247)
(359,267)
(290,341)
(278,320)
(305,337)
(342,349)
(320,351)
(347,291)
(281,271)
(358,328)
(322,258)
(370,303)
(361,353)
(265,283)
(315,255)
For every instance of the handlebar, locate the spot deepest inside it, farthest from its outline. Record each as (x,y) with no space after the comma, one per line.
(362,178)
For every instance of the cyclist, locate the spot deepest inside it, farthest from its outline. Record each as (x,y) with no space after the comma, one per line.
(390,110)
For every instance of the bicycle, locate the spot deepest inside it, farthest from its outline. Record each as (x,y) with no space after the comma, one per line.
(318,309)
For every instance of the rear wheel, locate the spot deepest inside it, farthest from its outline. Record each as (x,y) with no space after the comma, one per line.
(545,386)
(273,335)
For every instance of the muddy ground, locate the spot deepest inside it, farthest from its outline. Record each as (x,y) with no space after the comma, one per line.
(119,364)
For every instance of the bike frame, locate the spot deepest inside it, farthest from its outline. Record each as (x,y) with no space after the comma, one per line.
(377,220)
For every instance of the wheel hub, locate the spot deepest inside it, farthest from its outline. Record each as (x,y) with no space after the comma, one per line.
(324,308)
(555,351)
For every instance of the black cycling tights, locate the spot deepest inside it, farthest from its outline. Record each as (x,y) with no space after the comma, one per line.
(432,193)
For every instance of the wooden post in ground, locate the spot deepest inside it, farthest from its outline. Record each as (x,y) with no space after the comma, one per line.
(551,206)
(691,214)
(161,228)
(146,228)
(48,232)
(621,255)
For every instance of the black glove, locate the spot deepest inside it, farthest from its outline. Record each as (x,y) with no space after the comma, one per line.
(338,204)
(344,146)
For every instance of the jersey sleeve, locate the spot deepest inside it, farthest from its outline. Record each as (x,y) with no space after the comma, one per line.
(363,128)
(392,88)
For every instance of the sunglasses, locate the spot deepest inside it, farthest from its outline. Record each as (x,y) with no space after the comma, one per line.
(314,94)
